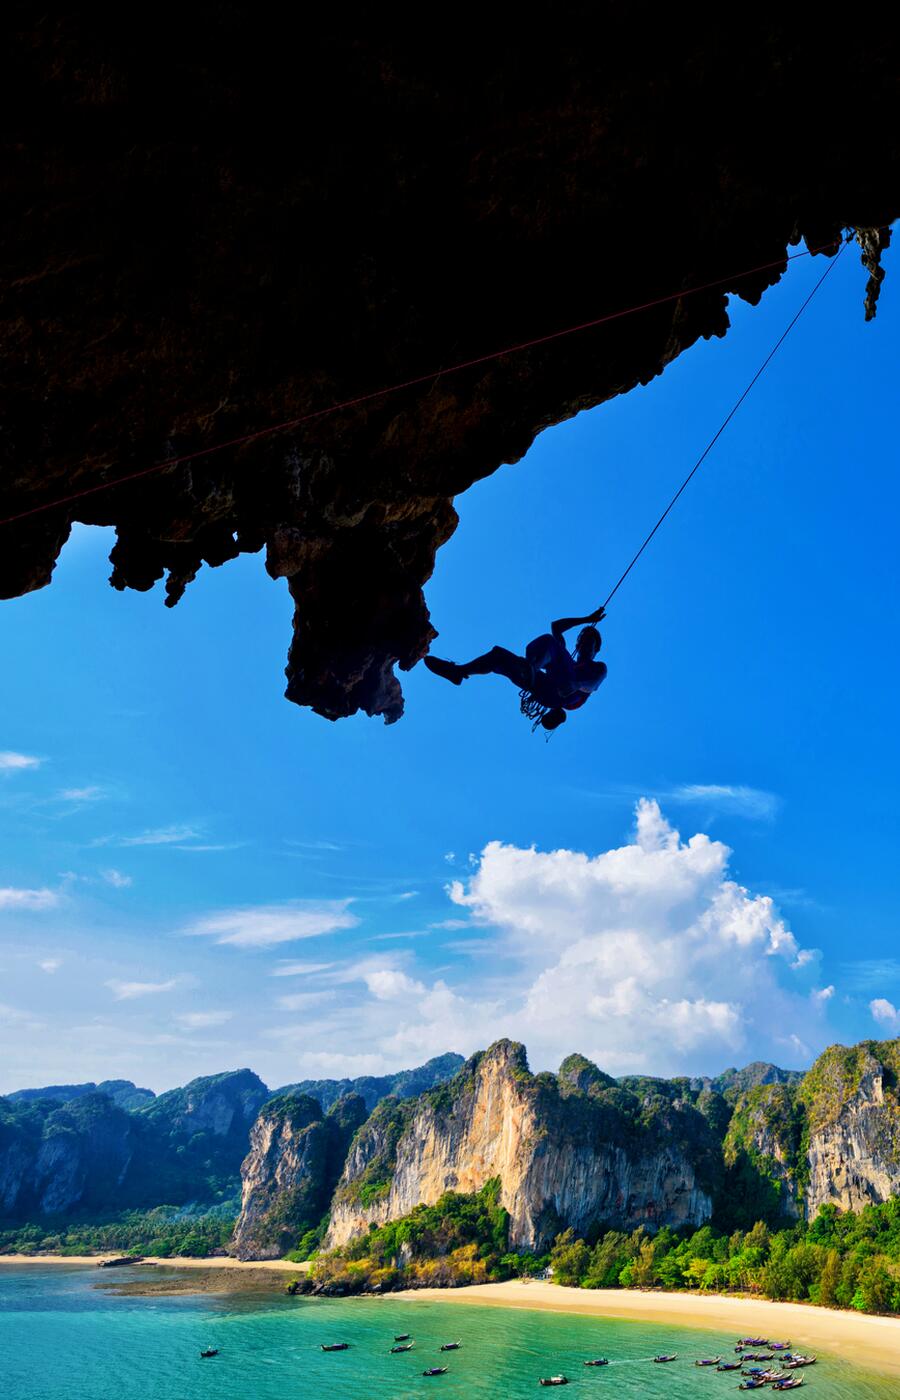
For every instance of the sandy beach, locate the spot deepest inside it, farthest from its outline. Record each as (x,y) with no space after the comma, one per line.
(870,1341)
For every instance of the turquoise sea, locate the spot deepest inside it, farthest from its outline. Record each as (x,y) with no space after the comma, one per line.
(62,1338)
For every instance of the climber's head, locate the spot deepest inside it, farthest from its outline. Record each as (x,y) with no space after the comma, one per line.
(553,718)
(588,644)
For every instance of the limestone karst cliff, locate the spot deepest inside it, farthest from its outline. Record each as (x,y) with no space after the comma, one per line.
(763,1151)
(851,1097)
(287,1178)
(577,1148)
(362,207)
(569,1150)
(123,1093)
(88,1154)
(71,1156)
(68,1149)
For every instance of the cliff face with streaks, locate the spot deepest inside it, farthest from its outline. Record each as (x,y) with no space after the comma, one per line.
(566,1154)
(295,1158)
(207,238)
(853,1106)
(75,1156)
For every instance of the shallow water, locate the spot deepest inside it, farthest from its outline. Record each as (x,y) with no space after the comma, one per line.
(62,1337)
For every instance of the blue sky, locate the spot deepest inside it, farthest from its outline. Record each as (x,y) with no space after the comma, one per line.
(197,875)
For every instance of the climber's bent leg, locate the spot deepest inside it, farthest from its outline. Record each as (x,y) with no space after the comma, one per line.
(499,661)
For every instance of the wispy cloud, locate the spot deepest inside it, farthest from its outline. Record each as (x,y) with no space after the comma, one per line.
(116,878)
(313,845)
(81,794)
(203,1020)
(156,836)
(130,991)
(392,937)
(299,969)
(870,974)
(298,1001)
(266,925)
(15,1016)
(12,898)
(737,800)
(50,964)
(220,846)
(408,894)
(11,762)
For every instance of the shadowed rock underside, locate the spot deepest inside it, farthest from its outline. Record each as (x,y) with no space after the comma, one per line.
(209,236)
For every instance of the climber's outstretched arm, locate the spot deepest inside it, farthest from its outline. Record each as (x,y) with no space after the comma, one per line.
(563,624)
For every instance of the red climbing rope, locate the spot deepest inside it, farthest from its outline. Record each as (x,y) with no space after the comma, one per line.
(290,423)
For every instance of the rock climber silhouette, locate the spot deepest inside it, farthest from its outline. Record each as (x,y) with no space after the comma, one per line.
(551,679)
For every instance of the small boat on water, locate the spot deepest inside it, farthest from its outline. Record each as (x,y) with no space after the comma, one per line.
(554,1380)
(335,1346)
(435,1371)
(797,1361)
(402,1346)
(450,1346)
(753,1341)
(789,1383)
(709,1361)
(754,1383)
(597,1361)
(728,1366)
(659,1359)
(779,1346)
(401,1337)
(210,1351)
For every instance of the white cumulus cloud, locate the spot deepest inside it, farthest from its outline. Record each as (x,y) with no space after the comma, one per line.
(886,1014)
(647,956)
(266,925)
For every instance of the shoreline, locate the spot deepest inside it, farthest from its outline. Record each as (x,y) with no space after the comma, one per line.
(865,1339)
(218,1261)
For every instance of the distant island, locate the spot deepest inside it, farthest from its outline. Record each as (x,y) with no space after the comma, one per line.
(760,1179)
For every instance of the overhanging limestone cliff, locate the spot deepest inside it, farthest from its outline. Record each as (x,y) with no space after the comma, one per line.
(211,233)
